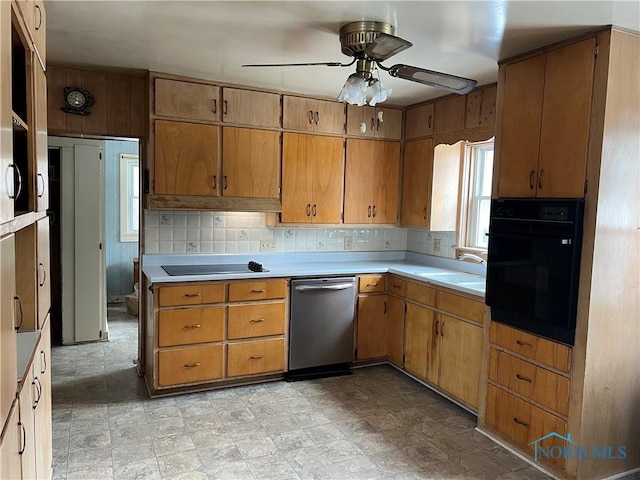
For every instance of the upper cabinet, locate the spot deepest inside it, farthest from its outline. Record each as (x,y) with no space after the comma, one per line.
(374,122)
(481,107)
(450,114)
(251,108)
(371,181)
(419,122)
(311,115)
(544,126)
(186,100)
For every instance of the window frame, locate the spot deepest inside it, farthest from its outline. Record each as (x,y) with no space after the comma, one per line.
(127,161)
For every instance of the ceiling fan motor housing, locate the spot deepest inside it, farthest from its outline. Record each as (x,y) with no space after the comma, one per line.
(355,37)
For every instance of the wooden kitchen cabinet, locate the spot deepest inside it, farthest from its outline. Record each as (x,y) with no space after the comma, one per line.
(419,122)
(372,314)
(8,348)
(481,107)
(312,115)
(371,181)
(450,114)
(40,143)
(256,357)
(187,326)
(377,122)
(421,343)
(312,178)
(545,123)
(186,100)
(416,183)
(10,444)
(26,265)
(394,331)
(248,107)
(250,163)
(190,365)
(43,270)
(27,397)
(43,423)
(186,158)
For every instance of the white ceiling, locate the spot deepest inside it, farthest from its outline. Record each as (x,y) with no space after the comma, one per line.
(212,39)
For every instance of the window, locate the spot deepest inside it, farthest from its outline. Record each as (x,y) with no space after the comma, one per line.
(476,200)
(129,198)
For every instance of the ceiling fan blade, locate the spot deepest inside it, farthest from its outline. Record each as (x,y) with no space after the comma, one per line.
(444,81)
(385,46)
(323,64)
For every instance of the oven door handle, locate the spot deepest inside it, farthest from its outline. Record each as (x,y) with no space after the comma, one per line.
(563,239)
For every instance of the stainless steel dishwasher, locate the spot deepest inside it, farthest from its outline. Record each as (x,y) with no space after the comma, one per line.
(321,327)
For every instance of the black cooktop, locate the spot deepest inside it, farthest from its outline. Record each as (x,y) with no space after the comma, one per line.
(216,269)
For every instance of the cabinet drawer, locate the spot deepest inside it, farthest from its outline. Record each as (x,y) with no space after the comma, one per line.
(257,320)
(531,346)
(189,365)
(371,283)
(264,290)
(188,326)
(250,358)
(421,294)
(522,422)
(536,383)
(195,294)
(461,306)
(397,286)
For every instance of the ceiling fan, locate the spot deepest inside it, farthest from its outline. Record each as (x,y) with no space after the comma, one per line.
(370,43)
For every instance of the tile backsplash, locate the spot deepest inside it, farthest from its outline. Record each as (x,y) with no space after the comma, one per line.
(422,241)
(240,232)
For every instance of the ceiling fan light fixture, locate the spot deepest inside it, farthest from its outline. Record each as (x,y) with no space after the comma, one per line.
(377,93)
(354,90)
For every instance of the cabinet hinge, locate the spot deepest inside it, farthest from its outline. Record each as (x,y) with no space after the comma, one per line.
(586,186)
(596,50)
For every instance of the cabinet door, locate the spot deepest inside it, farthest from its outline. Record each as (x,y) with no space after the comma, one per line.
(460,359)
(419,121)
(328,179)
(386,174)
(358,195)
(187,100)
(372,314)
(566,115)
(481,107)
(27,402)
(186,158)
(388,123)
(298,113)
(359,119)
(44,275)
(297,177)
(42,164)
(450,114)
(329,117)
(43,428)
(39,29)
(520,127)
(421,343)
(395,329)
(445,182)
(250,163)
(8,362)
(10,445)
(247,107)
(6,157)
(416,183)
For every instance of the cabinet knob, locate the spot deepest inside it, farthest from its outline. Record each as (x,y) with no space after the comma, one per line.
(225,107)
(314,210)
(214,105)
(310,116)
(317,118)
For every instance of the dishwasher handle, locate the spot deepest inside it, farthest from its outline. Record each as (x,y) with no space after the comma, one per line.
(337,286)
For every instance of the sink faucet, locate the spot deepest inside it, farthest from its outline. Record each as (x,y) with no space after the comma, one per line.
(471,256)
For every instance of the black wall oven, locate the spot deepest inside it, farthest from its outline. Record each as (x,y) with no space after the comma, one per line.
(534,264)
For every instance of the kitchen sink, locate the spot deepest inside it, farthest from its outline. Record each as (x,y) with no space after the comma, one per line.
(459,278)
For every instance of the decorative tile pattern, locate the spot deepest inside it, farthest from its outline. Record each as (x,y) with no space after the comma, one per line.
(374,424)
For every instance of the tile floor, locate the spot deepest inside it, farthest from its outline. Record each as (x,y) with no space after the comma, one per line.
(374,424)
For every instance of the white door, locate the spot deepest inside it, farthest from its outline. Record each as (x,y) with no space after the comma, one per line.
(84,308)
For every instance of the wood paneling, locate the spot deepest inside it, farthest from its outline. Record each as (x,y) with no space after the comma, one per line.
(139,115)
(190,365)
(416,183)
(186,100)
(119,111)
(566,116)
(419,122)
(188,326)
(371,283)
(248,107)
(96,83)
(258,320)
(394,331)
(449,114)
(371,326)
(250,163)
(186,158)
(194,294)
(257,290)
(250,358)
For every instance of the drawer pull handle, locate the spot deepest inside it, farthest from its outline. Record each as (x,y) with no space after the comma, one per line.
(258,291)
(524,344)
(372,284)
(396,286)
(257,357)
(523,378)
(256,320)
(520,422)
(191,295)
(192,365)
(195,325)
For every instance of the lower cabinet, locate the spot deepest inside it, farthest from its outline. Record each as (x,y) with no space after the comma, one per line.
(251,358)
(420,344)
(11,446)
(394,330)
(371,317)
(189,365)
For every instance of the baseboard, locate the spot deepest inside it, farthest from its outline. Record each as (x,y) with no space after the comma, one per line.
(116,299)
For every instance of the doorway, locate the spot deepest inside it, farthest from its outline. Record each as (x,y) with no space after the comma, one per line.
(92,254)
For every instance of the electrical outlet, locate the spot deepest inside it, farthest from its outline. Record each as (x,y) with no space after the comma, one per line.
(436,245)
(348,243)
(267,245)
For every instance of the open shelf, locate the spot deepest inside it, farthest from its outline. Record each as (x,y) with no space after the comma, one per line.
(18,123)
